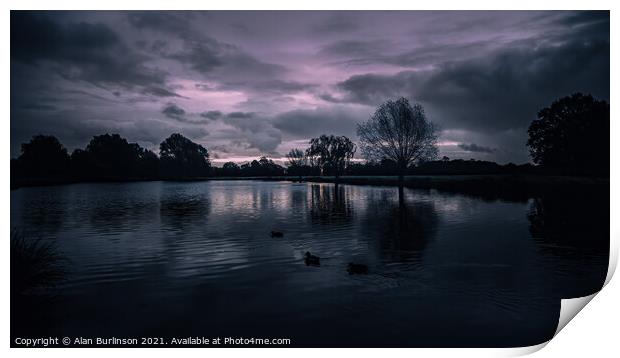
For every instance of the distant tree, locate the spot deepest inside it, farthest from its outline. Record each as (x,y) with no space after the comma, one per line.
(148,163)
(400,132)
(296,158)
(44,157)
(331,154)
(110,156)
(298,163)
(262,167)
(572,136)
(180,157)
(230,169)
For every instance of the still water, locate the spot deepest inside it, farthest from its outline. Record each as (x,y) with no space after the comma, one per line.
(166,259)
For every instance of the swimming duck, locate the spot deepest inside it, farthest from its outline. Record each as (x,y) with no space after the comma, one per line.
(312,260)
(359,269)
(276,233)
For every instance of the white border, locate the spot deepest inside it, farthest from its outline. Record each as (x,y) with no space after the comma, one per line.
(596,327)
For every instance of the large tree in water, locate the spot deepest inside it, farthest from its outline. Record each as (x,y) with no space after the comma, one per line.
(399,132)
(572,136)
(180,157)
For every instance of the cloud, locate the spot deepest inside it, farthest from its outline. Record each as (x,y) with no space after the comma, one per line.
(174,111)
(79,50)
(226,62)
(500,92)
(283,77)
(279,86)
(38,107)
(239,115)
(476,148)
(174,22)
(213,115)
(257,131)
(311,123)
(159,92)
(337,23)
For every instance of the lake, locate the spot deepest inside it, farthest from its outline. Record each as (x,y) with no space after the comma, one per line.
(180,259)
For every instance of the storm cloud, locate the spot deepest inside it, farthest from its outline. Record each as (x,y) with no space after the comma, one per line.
(245,83)
(476,148)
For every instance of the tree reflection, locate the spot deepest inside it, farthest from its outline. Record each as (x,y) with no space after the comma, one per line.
(116,214)
(573,228)
(178,210)
(330,205)
(404,227)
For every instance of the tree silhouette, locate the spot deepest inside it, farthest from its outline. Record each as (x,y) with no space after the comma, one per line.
(182,158)
(262,167)
(230,169)
(43,156)
(400,132)
(296,158)
(112,157)
(572,136)
(331,154)
(298,163)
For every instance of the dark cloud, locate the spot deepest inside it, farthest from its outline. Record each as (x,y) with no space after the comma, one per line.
(339,22)
(257,130)
(585,18)
(385,51)
(174,22)
(160,92)
(500,92)
(79,50)
(310,123)
(212,115)
(276,78)
(279,86)
(240,115)
(473,147)
(356,48)
(228,62)
(174,111)
(38,107)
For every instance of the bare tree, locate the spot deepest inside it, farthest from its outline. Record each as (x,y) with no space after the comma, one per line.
(400,132)
(296,158)
(330,153)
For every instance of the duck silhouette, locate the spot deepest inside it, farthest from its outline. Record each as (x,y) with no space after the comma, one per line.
(275,233)
(358,269)
(311,260)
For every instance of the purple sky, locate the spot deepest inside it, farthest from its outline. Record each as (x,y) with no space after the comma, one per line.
(245,84)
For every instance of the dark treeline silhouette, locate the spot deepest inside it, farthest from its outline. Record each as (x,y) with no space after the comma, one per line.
(107,157)
(570,137)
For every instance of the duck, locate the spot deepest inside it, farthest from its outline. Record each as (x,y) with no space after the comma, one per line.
(312,260)
(359,269)
(275,233)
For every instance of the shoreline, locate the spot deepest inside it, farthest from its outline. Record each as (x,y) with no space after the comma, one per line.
(518,187)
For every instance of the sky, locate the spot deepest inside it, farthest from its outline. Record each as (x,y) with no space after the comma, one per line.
(251,83)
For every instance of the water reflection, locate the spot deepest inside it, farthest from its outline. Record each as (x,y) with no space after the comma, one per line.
(178,210)
(330,205)
(404,225)
(164,258)
(40,210)
(573,238)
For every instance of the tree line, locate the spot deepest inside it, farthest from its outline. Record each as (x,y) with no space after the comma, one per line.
(569,137)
